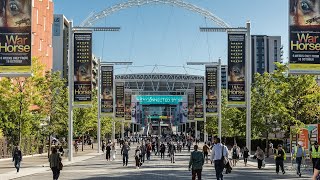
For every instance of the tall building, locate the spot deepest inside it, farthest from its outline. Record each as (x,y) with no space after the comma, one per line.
(266,50)
(42,19)
(60,40)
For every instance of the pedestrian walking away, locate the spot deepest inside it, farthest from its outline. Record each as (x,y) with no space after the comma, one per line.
(279,157)
(114,152)
(196,163)
(205,150)
(260,156)
(17,158)
(298,153)
(143,152)
(125,153)
(55,163)
(219,151)
(245,155)
(162,150)
(314,153)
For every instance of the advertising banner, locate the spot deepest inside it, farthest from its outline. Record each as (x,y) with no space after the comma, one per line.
(198,91)
(211,90)
(304,32)
(191,106)
(127,106)
(120,100)
(107,90)
(15,38)
(82,68)
(236,68)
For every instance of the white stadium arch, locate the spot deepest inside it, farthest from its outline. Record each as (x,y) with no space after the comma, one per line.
(89,21)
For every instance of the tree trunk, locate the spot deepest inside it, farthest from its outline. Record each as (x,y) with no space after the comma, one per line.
(49,147)
(82,141)
(267,147)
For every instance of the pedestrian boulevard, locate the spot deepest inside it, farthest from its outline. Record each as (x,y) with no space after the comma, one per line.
(94,166)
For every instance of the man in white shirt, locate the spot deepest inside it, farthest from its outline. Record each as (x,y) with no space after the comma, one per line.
(218,151)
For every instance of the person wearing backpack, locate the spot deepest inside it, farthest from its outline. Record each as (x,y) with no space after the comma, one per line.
(205,150)
(196,163)
(125,153)
(279,157)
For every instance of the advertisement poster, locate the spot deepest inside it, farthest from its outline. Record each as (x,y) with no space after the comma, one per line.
(183,110)
(82,68)
(304,32)
(198,91)
(191,106)
(127,106)
(15,39)
(236,69)
(211,90)
(119,100)
(107,90)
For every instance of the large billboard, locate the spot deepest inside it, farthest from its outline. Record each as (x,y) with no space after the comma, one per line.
(15,38)
(304,33)
(198,91)
(120,100)
(211,90)
(236,69)
(127,106)
(191,106)
(107,90)
(82,68)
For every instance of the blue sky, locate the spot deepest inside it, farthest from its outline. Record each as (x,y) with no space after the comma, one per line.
(169,36)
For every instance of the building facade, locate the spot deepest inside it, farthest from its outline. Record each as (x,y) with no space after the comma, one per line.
(42,19)
(266,50)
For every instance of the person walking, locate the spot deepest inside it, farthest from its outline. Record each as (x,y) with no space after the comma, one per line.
(279,157)
(219,151)
(17,158)
(108,151)
(260,156)
(235,154)
(314,153)
(196,163)
(54,160)
(143,152)
(172,151)
(137,157)
(162,150)
(298,153)
(125,153)
(245,155)
(103,146)
(113,148)
(205,150)
(149,149)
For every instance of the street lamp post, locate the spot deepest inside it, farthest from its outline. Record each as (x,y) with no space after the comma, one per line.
(71,80)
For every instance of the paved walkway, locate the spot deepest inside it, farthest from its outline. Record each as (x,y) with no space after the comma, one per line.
(96,167)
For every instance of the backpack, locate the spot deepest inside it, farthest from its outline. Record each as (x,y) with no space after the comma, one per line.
(149,147)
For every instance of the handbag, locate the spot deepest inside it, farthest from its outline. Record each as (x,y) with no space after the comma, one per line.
(224,159)
(60,165)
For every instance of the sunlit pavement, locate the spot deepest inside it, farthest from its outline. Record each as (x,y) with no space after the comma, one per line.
(157,169)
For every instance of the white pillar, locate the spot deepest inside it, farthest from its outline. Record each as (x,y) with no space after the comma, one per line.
(122,129)
(219,99)
(196,129)
(99,107)
(70,86)
(248,87)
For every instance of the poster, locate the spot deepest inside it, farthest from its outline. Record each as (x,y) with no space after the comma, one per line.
(211,90)
(304,32)
(107,90)
(15,38)
(82,68)
(127,106)
(191,106)
(120,100)
(236,69)
(198,101)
